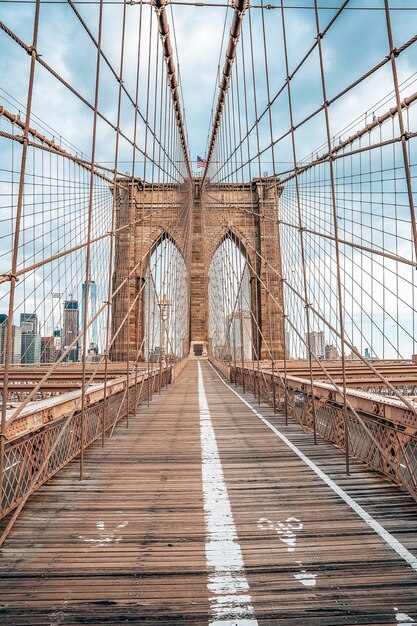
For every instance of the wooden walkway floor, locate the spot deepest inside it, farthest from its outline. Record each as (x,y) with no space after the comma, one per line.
(201,514)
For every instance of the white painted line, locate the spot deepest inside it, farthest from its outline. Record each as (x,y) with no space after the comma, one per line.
(403,619)
(230,602)
(393,543)
(306,579)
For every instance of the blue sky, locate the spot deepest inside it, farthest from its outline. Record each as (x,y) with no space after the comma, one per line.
(356,41)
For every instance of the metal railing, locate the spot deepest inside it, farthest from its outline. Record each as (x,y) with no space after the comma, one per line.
(32,459)
(381,432)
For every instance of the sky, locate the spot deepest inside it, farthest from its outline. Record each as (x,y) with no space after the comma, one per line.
(356,41)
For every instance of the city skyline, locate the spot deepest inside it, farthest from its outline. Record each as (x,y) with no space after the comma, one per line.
(35,343)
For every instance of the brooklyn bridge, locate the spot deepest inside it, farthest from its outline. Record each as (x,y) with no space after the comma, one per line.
(208,312)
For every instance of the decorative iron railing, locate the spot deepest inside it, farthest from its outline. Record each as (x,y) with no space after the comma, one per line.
(380,431)
(34,458)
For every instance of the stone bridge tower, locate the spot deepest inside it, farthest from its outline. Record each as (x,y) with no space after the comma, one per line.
(247,214)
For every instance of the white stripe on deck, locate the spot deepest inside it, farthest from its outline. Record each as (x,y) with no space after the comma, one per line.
(230,601)
(393,543)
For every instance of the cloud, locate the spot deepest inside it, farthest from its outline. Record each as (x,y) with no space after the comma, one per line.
(199,34)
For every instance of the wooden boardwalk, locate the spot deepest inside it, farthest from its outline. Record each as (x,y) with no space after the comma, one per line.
(256,537)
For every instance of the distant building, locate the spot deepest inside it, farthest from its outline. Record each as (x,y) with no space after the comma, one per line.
(330,353)
(317,343)
(57,339)
(29,322)
(31,348)
(30,339)
(353,356)
(3,335)
(48,349)
(16,341)
(70,329)
(92,354)
(240,334)
(92,332)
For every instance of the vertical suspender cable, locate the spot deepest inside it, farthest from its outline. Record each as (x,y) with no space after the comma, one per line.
(160,6)
(240,7)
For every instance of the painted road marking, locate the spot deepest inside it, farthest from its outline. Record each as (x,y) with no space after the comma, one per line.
(106,537)
(286,531)
(393,543)
(403,619)
(230,600)
(305,578)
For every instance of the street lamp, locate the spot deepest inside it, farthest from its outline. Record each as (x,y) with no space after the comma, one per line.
(217,346)
(164,306)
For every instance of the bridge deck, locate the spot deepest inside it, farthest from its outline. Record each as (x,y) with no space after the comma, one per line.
(148,538)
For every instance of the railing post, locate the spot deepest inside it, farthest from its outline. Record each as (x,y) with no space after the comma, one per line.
(274,399)
(16,247)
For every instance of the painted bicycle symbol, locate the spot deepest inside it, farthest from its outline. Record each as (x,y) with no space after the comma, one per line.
(286,531)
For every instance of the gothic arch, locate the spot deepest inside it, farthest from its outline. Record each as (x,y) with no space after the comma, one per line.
(161,237)
(198,225)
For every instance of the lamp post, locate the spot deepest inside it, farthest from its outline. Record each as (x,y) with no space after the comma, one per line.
(217,347)
(164,306)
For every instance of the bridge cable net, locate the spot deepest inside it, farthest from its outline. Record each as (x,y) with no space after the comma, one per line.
(311,166)
(309,226)
(82,202)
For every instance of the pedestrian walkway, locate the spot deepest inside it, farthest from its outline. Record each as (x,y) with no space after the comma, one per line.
(209,510)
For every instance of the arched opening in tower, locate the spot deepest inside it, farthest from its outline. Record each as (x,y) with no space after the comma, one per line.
(230,304)
(166,304)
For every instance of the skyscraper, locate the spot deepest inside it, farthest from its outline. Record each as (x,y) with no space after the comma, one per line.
(16,341)
(57,340)
(317,344)
(31,348)
(3,335)
(31,339)
(48,350)
(70,326)
(331,353)
(29,322)
(92,333)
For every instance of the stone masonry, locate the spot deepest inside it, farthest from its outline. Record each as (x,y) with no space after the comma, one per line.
(198,221)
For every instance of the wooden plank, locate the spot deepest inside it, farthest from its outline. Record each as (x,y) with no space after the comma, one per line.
(127,545)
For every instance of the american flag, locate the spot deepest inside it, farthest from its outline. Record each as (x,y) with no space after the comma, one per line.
(201,162)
